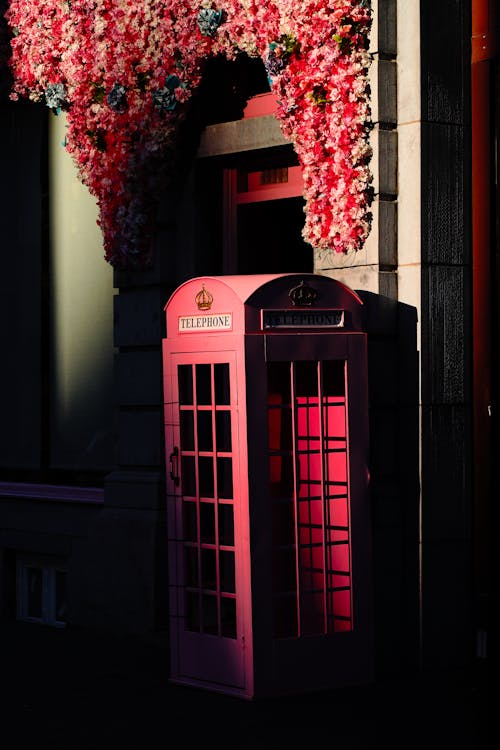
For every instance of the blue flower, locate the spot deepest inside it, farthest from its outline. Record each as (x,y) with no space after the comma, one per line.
(55,96)
(280,53)
(117,98)
(164,99)
(274,63)
(209,21)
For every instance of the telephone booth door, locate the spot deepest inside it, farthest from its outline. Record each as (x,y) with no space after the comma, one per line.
(266,451)
(204,522)
(308,472)
(314,594)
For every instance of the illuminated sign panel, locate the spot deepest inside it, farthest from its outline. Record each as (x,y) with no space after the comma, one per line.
(198,323)
(302,318)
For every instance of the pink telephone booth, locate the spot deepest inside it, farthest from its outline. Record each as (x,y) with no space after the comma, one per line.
(266,421)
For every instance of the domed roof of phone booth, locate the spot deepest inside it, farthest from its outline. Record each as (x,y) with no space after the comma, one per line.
(255,292)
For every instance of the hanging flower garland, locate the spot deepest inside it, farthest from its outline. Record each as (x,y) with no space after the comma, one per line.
(124,73)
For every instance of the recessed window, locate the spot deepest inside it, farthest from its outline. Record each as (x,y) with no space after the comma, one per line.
(41,591)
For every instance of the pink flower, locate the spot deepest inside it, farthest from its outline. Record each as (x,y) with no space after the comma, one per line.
(108,61)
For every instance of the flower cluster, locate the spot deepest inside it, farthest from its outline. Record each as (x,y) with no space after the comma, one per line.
(5,78)
(124,74)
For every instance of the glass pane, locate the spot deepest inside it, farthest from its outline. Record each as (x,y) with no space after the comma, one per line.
(313,613)
(334,421)
(189,521)
(283,523)
(204,420)
(333,378)
(338,557)
(206,476)
(336,467)
(223,431)
(203,385)
(281,476)
(309,489)
(311,512)
(284,573)
(228,617)
(226,525)
(306,378)
(187,430)
(342,604)
(185,378)
(208,569)
(60,596)
(210,624)
(207,523)
(280,429)
(227,575)
(308,425)
(225,477)
(192,606)
(341,625)
(278,383)
(221,377)
(34,583)
(310,469)
(188,476)
(191,567)
(339,580)
(338,512)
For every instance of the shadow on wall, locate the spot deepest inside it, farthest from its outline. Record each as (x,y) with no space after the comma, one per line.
(393,375)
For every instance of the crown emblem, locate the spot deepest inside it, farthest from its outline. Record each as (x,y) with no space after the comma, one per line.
(303,295)
(204,299)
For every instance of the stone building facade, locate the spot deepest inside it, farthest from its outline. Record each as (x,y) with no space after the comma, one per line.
(82,477)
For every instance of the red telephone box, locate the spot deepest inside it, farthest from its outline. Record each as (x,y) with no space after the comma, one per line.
(266,432)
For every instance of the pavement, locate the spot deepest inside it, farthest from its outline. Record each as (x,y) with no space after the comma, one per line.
(76,690)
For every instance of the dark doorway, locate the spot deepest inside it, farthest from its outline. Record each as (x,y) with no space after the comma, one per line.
(269,237)
(242,212)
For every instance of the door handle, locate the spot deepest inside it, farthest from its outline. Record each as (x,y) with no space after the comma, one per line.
(174,466)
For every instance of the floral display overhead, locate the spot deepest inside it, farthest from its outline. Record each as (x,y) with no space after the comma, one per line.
(124,73)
